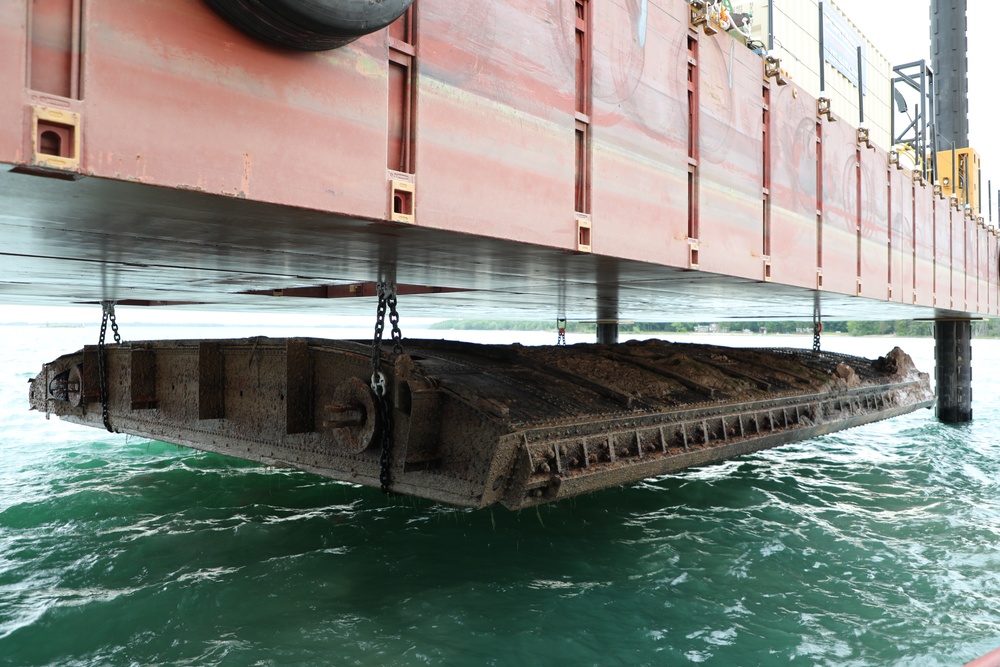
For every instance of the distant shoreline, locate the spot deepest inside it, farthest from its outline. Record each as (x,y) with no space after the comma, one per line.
(900,329)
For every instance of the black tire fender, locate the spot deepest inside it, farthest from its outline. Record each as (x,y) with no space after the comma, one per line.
(309,25)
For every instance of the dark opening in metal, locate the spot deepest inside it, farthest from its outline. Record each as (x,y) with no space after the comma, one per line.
(402,202)
(50,143)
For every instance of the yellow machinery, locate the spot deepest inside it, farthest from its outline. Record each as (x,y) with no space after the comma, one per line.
(959,175)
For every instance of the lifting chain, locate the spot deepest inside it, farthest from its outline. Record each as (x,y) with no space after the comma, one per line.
(561,325)
(108,308)
(817,322)
(386,300)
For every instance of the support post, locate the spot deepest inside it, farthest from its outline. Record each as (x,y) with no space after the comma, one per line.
(607,333)
(861,89)
(953,370)
(822,54)
(770,25)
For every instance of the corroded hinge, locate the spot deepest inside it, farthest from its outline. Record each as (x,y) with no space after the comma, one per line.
(823,109)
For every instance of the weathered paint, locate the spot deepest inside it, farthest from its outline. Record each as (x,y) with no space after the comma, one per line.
(13,56)
(476,425)
(214,111)
(495,122)
(960,228)
(984,300)
(923,232)
(840,207)
(217,169)
(903,216)
(730,159)
(994,270)
(875,222)
(968,275)
(639,126)
(793,187)
(943,221)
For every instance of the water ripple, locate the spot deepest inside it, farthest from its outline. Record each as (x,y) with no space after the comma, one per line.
(875,546)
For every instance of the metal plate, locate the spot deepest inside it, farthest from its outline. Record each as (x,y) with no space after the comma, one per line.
(901,243)
(730,158)
(875,223)
(793,187)
(923,226)
(639,128)
(840,207)
(943,252)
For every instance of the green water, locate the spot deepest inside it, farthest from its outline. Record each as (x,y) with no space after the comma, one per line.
(876,546)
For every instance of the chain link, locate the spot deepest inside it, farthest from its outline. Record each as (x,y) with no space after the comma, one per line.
(385,460)
(817,321)
(386,300)
(114,323)
(377,340)
(108,315)
(397,335)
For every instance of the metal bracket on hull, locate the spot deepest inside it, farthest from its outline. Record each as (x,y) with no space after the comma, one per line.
(894,159)
(772,69)
(699,14)
(402,195)
(864,138)
(823,108)
(55,140)
(584,230)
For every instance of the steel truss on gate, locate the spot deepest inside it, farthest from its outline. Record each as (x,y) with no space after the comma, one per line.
(920,132)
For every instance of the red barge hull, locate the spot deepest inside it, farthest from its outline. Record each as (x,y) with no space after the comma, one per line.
(471,152)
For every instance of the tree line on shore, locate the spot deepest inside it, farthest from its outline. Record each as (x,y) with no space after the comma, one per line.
(980,329)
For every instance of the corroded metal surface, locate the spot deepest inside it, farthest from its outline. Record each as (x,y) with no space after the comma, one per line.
(199,167)
(476,425)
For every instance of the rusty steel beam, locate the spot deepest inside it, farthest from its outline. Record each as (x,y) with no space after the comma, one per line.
(353,290)
(476,425)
